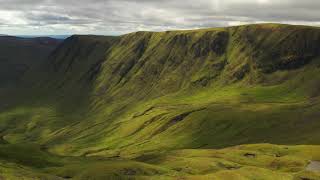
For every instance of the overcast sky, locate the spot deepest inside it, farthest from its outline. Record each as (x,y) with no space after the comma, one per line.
(111,17)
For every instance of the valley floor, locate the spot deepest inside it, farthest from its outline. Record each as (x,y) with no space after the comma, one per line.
(257,161)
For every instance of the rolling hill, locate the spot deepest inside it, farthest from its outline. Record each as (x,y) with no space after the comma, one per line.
(223,103)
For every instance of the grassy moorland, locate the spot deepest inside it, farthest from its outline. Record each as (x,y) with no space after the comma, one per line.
(208,104)
(259,161)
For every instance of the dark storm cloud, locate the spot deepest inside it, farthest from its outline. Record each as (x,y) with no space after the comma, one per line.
(120,16)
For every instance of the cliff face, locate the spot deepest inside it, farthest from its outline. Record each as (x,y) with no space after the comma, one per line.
(147,91)
(166,62)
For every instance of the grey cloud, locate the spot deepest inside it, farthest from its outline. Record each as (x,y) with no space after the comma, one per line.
(121,16)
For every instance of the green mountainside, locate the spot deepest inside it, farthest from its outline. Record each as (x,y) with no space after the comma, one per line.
(198,104)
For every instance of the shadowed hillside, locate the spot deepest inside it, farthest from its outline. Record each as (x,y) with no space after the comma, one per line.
(18,55)
(145,96)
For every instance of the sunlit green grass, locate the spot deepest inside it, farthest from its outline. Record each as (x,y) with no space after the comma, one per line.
(257,161)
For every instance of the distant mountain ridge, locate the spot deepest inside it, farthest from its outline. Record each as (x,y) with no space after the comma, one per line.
(41,36)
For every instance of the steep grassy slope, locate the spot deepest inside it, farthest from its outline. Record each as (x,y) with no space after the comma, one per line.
(147,94)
